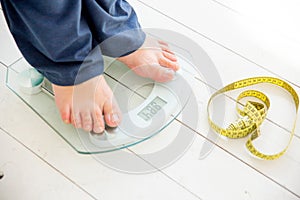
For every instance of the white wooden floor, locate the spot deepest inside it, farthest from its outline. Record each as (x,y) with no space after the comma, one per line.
(38,164)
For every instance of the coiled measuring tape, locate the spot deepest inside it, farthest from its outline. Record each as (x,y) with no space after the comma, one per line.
(253,113)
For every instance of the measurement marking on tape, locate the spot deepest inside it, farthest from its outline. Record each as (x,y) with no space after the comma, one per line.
(253,113)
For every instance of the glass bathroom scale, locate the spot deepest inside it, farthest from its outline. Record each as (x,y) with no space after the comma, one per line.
(147,107)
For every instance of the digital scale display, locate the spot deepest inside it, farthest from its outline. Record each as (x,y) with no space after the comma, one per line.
(152,108)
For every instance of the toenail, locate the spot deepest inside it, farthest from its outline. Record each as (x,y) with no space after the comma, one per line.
(115,118)
(168,73)
(88,127)
(98,130)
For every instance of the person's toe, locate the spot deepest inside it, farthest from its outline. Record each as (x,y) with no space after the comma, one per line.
(98,123)
(166,75)
(161,74)
(163,43)
(65,113)
(165,47)
(163,61)
(169,56)
(76,120)
(86,121)
(112,113)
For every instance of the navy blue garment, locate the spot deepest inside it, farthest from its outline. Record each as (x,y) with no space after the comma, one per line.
(61,38)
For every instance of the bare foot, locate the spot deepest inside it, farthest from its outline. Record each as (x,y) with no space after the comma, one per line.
(84,105)
(153,60)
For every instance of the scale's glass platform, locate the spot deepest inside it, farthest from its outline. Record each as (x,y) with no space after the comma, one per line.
(147,106)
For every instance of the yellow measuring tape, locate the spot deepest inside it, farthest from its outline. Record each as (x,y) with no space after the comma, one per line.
(253,113)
